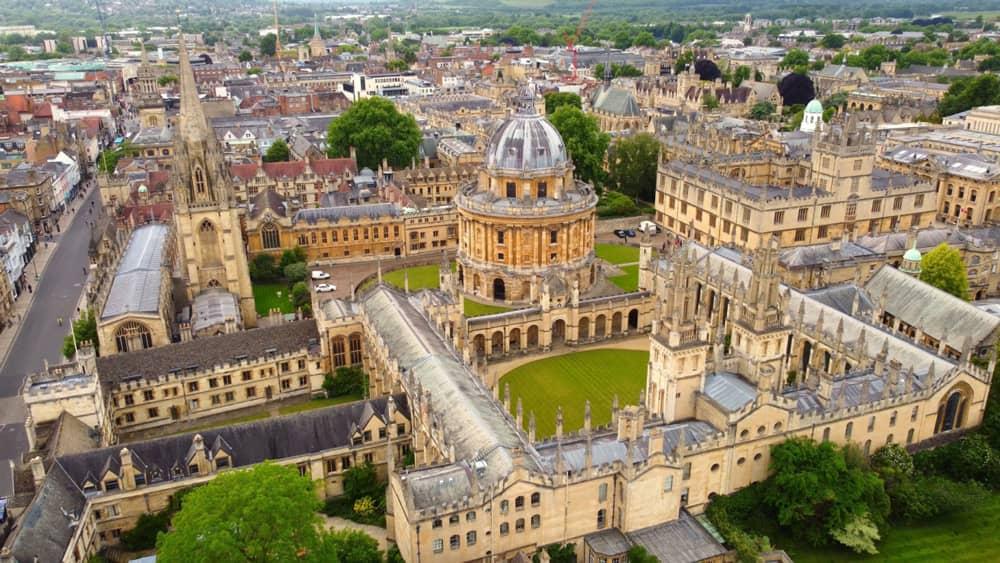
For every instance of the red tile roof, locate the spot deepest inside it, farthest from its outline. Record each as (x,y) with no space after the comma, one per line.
(333,166)
(284,169)
(244,171)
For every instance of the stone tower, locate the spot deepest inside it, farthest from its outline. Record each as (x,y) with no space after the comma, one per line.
(210,243)
(843,158)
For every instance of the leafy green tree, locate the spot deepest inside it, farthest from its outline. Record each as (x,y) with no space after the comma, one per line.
(944,269)
(263,268)
(268,45)
(710,102)
(644,39)
(762,110)
(555,99)
(833,41)
(638,554)
(378,131)
(245,56)
(397,65)
(278,152)
(860,534)
(254,71)
(686,58)
(816,493)
(741,73)
(292,256)
(617,70)
(85,330)
(795,58)
(969,92)
(300,295)
(354,546)
(347,380)
(295,272)
(166,80)
(361,481)
(616,204)
(393,555)
(585,141)
(632,166)
(267,513)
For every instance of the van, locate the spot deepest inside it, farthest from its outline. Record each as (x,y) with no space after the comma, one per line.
(649,227)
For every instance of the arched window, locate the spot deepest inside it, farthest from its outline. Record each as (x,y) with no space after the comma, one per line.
(536,521)
(133,336)
(847,431)
(339,356)
(199,180)
(355,344)
(602,519)
(536,498)
(951,412)
(269,236)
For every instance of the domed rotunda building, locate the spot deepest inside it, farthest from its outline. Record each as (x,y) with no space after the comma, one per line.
(526,221)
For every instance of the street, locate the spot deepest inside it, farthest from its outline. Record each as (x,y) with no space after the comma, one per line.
(41,336)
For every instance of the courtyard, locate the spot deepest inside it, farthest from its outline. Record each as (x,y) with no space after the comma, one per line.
(569,380)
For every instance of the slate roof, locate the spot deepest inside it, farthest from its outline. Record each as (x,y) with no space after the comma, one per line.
(827,253)
(275,438)
(841,297)
(729,391)
(681,541)
(203,353)
(136,286)
(212,307)
(616,101)
(349,212)
(937,313)
(268,199)
(44,531)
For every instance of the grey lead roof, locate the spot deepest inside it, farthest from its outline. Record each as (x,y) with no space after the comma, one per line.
(525,143)
(729,391)
(616,101)
(681,541)
(44,530)
(136,286)
(349,212)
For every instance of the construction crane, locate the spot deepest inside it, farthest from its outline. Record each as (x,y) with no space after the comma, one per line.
(571,41)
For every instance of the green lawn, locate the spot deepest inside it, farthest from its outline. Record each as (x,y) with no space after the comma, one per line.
(265,296)
(617,253)
(570,380)
(318,404)
(477,309)
(421,277)
(969,535)
(629,281)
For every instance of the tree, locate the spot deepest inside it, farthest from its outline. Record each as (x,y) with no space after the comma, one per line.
(85,330)
(278,152)
(361,481)
(707,70)
(166,80)
(292,255)
(295,272)
(686,58)
(585,142)
(245,56)
(833,41)
(397,65)
(263,268)
(268,45)
(795,89)
(267,513)
(741,73)
(617,70)
(710,102)
(300,295)
(969,92)
(632,166)
(378,131)
(644,39)
(817,494)
(761,110)
(944,269)
(565,553)
(638,554)
(354,546)
(553,100)
(795,58)
(347,380)
(393,555)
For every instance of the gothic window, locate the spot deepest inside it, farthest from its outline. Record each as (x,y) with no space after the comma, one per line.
(133,336)
(951,412)
(199,180)
(208,242)
(339,358)
(269,236)
(355,345)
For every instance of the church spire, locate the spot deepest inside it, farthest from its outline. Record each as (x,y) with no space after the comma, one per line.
(316,34)
(607,67)
(192,123)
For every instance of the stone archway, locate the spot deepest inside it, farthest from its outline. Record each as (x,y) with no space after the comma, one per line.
(633,319)
(496,343)
(514,339)
(499,290)
(558,331)
(599,326)
(583,332)
(532,336)
(616,323)
(479,345)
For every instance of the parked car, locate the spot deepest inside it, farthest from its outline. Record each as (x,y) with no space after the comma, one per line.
(325,288)
(620,233)
(630,233)
(320,275)
(649,227)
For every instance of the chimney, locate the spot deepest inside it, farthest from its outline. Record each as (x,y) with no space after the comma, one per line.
(37,470)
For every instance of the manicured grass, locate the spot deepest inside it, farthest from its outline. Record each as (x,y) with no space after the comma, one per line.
(421,277)
(318,404)
(968,535)
(265,296)
(476,309)
(570,380)
(629,281)
(617,253)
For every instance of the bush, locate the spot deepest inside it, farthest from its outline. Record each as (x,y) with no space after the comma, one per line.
(730,515)
(295,272)
(345,381)
(300,294)
(616,204)
(263,268)
(969,459)
(365,507)
(292,256)
(392,555)
(143,536)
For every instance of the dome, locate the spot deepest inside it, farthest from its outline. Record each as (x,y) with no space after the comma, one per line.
(143,189)
(525,143)
(912,255)
(814,107)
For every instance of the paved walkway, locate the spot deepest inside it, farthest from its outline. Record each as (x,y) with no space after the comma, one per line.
(497,370)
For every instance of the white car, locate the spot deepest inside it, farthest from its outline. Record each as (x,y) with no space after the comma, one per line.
(649,227)
(325,288)
(320,275)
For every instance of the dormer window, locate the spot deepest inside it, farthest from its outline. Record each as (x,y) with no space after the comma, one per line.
(140,479)
(193,469)
(221,462)
(89,487)
(111,485)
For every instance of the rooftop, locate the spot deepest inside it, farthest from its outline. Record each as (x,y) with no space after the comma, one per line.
(136,286)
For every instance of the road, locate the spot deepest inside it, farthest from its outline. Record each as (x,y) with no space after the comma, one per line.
(58,292)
